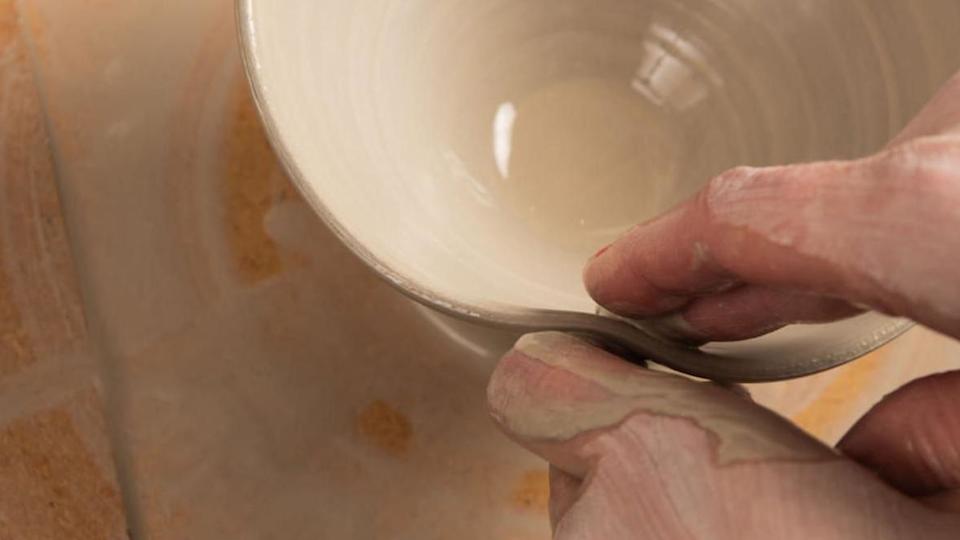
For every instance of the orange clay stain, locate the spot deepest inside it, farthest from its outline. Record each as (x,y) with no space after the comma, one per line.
(532,492)
(52,485)
(837,397)
(384,427)
(15,348)
(253,182)
(9,27)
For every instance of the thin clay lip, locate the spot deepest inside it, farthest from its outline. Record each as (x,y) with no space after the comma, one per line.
(671,354)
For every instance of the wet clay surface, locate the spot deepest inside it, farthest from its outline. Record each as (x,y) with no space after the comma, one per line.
(269,383)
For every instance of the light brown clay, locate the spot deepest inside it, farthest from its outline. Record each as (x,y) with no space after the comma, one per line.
(475,154)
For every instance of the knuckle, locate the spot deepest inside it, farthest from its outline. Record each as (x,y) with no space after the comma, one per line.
(726,189)
(927,165)
(901,161)
(732,179)
(766,187)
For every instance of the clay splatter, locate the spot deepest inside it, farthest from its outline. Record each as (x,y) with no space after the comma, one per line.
(385,427)
(532,492)
(253,182)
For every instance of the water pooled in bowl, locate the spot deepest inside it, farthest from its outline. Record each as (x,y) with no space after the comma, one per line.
(581,120)
(482,151)
(581,160)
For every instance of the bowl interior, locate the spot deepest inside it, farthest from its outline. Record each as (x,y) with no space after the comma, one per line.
(480,151)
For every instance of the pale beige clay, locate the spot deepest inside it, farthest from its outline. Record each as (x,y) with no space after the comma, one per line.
(740,433)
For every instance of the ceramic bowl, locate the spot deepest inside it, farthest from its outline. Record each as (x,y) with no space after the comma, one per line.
(475,153)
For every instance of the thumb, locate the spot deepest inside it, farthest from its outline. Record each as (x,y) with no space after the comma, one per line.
(653,454)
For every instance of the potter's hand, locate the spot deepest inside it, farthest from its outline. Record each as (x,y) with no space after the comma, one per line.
(636,453)
(641,454)
(760,248)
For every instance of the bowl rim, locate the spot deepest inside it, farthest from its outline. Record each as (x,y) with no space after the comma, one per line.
(673,355)
(409,287)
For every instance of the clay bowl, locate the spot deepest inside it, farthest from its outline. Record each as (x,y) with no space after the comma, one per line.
(475,153)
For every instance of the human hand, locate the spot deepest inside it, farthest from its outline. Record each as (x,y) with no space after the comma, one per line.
(637,453)
(761,248)
(642,454)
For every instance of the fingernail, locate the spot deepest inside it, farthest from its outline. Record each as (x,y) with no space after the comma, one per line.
(600,251)
(550,347)
(598,270)
(593,270)
(580,357)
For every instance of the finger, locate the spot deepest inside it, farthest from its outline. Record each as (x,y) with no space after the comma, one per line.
(912,437)
(564,490)
(940,116)
(948,501)
(838,229)
(750,311)
(662,456)
(553,387)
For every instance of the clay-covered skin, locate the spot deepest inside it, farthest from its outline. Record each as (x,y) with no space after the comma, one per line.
(641,454)
(620,390)
(808,242)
